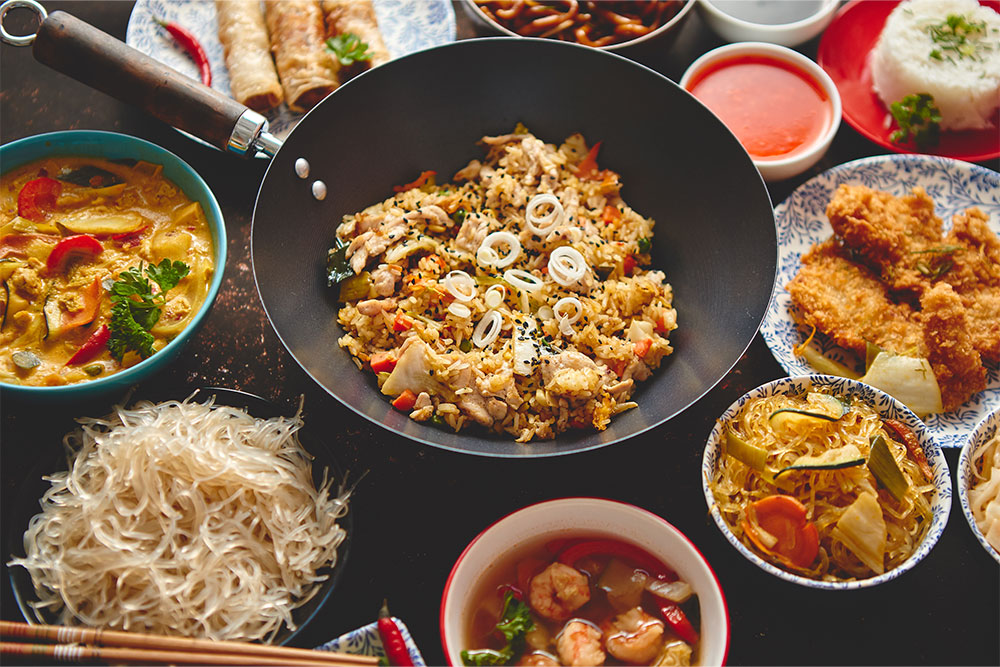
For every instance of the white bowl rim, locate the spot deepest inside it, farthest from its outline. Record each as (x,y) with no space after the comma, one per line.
(674,20)
(988,425)
(606,501)
(51,145)
(826,11)
(817,73)
(935,456)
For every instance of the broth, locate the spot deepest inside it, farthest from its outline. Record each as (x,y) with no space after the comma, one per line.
(617,576)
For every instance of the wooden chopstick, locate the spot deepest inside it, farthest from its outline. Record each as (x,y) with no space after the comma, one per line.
(241,652)
(116,655)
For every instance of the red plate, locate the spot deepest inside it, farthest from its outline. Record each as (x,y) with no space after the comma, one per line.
(843,53)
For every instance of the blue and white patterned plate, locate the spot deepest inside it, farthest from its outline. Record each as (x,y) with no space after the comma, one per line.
(365,641)
(889,408)
(406,26)
(987,428)
(801,221)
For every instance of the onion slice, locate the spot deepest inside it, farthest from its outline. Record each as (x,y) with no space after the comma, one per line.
(460,285)
(543,225)
(487,330)
(495,295)
(567,265)
(488,256)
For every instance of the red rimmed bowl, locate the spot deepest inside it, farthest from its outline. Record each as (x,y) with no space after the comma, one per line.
(567,518)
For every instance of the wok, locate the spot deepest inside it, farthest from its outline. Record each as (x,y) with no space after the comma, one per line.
(714,236)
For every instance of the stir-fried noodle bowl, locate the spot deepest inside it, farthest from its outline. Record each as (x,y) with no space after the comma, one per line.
(826,482)
(979,483)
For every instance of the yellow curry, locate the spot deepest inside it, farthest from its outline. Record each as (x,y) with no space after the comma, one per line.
(102,263)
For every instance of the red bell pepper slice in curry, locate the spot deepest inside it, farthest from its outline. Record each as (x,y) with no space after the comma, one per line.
(679,623)
(83,246)
(37,198)
(91,347)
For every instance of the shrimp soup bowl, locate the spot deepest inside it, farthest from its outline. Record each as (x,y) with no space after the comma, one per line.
(543,522)
(887,407)
(968,462)
(114,146)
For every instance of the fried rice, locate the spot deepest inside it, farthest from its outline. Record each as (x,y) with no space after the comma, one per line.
(454,299)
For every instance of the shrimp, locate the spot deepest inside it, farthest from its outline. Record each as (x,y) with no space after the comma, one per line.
(538,659)
(557,591)
(633,636)
(579,644)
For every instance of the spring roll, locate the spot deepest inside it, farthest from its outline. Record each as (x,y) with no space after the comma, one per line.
(308,72)
(252,78)
(358,17)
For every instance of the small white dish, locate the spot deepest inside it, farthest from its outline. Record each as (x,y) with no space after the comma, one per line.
(805,156)
(784,22)
(573,517)
(889,408)
(986,429)
(367,641)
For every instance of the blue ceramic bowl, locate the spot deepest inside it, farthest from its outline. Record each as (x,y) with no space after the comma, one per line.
(987,428)
(889,408)
(111,145)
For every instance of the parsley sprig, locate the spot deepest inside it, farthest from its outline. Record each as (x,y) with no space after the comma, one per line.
(515,623)
(918,119)
(348,48)
(135,309)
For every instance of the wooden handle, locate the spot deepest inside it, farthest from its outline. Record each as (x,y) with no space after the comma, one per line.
(77,49)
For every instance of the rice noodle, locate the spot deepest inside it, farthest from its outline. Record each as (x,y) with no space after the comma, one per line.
(984,491)
(186,519)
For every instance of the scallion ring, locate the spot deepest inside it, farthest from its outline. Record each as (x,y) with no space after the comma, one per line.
(489,255)
(565,319)
(460,285)
(495,296)
(543,225)
(488,329)
(566,265)
(459,310)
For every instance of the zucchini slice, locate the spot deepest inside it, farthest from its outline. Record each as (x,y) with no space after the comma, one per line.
(884,467)
(847,456)
(744,452)
(822,407)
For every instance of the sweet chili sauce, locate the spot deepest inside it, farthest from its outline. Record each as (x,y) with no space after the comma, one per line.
(774,108)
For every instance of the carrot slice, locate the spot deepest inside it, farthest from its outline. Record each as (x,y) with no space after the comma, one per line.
(796,540)
(405,401)
(588,165)
(424,178)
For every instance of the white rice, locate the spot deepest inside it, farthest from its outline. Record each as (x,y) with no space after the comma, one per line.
(966,89)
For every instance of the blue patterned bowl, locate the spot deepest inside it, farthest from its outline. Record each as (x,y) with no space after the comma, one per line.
(988,428)
(889,408)
(112,145)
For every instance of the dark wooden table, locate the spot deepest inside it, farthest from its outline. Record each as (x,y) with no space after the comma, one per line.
(418,507)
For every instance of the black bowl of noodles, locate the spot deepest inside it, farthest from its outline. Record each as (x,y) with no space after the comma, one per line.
(714,236)
(34,487)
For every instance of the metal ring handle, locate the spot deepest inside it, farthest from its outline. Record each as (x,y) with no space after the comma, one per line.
(20,40)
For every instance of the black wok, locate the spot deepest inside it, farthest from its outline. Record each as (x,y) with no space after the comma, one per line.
(715,235)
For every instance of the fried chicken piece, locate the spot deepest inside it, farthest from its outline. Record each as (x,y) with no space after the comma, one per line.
(957,365)
(886,232)
(847,302)
(975,275)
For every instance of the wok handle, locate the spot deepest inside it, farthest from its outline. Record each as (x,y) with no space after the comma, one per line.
(81,51)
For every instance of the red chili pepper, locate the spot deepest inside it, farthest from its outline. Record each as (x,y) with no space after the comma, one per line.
(909,439)
(129,239)
(37,197)
(81,245)
(91,347)
(633,554)
(679,623)
(392,639)
(190,44)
